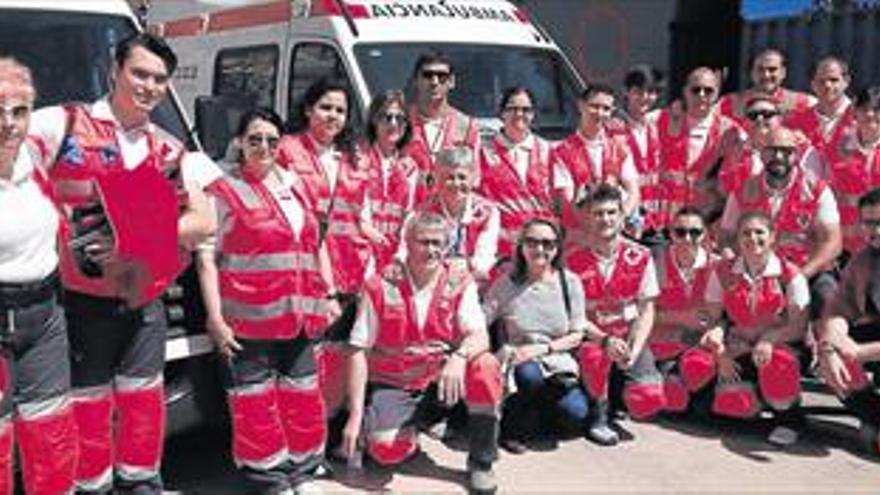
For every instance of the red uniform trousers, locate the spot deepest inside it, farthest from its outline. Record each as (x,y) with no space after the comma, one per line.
(118,355)
(35,385)
(643,392)
(776,384)
(394,415)
(668,355)
(277,412)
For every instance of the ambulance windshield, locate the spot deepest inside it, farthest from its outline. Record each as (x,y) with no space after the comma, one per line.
(70,56)
(483,72)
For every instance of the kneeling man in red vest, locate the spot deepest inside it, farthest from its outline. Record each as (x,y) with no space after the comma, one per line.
(421,346)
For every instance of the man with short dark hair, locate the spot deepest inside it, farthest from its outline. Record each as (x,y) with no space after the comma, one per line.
(110,158)
(620,286)
(592,156)
(768,72)
(436,124)
(826,122)
(849,343)
(638,127)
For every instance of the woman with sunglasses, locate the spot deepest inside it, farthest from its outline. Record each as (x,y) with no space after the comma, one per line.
(393,175)
(264,283)
(541,306)
(693,141)
(515,169)
(765,300)
(689,305)
(854,165)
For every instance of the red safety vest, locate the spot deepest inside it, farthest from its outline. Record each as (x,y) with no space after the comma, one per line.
(338,212)
(676,294)
(404,355)
(794,221)
(733,105)
(807,121)
(480,214)
(458,129)
(518,201)
(390,204)
(648,166)
(607,299)
(852,174)
(270,281)
(754,305)
(90,151)
(693,182)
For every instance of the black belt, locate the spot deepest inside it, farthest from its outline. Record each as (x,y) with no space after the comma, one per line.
(20,295)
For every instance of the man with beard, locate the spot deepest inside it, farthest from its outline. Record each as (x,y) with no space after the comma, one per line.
(767,74)
(803,210)
(849,343)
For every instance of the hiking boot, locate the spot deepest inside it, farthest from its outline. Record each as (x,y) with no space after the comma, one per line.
(600,430)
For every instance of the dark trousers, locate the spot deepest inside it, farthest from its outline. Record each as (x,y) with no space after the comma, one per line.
(112,344)
(563,399)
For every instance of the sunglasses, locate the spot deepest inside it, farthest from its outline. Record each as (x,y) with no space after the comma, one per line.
(702,90)
(523,110)
(775,150)
(256,140)
(441,75)
(761,114)
(545,244)
(392,118)
(692,232)
(871,223)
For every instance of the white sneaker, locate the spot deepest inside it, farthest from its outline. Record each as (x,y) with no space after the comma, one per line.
(308,487)
(783,436)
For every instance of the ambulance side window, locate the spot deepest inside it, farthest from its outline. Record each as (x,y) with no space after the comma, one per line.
(309,63)
(248,73)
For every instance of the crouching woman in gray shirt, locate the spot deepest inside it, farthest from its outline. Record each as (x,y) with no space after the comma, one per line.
(540,306)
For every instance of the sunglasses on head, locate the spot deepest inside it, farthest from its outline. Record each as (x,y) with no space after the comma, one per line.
(258,139)
(545,244)
(754,115)
(441,75)
(692,232)
(702,90)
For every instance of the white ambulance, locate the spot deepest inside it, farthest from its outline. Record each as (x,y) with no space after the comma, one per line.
(269,52)
(68,46)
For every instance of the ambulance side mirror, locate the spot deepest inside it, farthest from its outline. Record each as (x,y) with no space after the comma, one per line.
(216,121)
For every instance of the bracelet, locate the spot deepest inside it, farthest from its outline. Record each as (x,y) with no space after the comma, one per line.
(549,348)
(605,341)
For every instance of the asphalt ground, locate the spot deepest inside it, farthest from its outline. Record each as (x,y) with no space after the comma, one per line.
(668,455)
